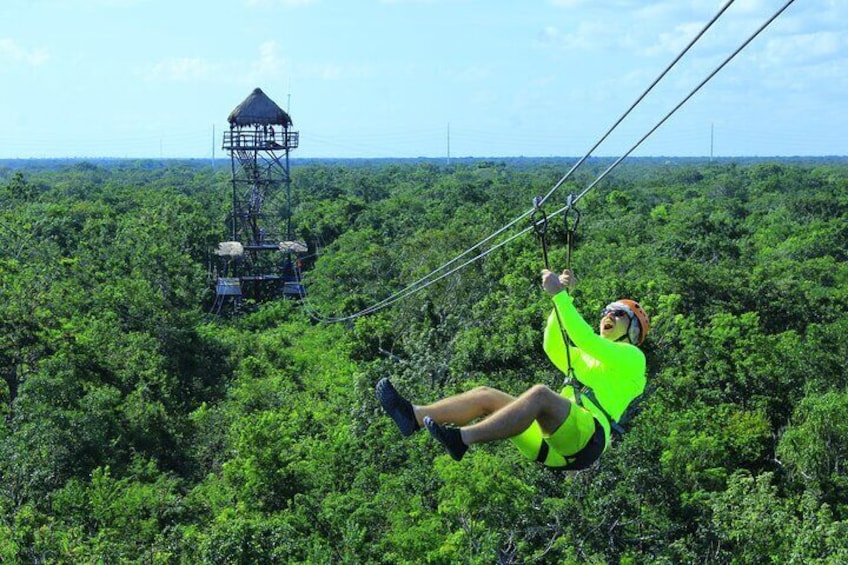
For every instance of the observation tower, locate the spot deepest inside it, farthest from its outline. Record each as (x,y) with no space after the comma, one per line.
(261,260)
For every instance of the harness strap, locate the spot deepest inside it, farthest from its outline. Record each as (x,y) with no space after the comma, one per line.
(583,391)
(543,452)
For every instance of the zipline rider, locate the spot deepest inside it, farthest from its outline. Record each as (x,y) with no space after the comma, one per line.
(567,431)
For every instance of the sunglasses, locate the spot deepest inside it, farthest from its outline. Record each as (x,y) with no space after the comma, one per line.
(615,313)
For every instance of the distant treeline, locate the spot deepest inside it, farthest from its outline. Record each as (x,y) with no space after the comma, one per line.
(519,163)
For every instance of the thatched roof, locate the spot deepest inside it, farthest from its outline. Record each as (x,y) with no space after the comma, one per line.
(258,109)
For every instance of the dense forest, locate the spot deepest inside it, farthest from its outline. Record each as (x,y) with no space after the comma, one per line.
(135,427)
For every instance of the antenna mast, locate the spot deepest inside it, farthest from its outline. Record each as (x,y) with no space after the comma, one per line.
(448,143)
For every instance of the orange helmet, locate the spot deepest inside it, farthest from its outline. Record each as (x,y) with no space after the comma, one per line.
(639,324)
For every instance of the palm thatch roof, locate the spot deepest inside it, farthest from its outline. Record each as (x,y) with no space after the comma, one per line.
(258,109)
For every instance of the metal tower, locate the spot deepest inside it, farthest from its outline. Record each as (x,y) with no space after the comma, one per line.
(261,260)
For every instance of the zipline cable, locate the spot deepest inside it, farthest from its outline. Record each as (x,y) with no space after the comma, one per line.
(556,186)
(591,150)
(679,105)
(641,97)
(412,289)
(575,199)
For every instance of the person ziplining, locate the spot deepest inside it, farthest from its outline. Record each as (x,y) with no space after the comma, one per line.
(572,429)
(564,431)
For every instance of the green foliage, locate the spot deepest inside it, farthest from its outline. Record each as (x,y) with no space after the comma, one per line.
(136,429)
(757,525)
(815,447)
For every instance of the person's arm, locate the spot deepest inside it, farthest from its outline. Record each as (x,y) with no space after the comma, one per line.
(579,331)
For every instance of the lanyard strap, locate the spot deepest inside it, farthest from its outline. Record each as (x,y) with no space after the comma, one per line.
(540,226)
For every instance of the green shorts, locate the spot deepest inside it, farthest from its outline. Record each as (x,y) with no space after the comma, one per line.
(576,444)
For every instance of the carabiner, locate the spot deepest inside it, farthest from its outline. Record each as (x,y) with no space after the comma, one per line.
(571,209)
(540,226)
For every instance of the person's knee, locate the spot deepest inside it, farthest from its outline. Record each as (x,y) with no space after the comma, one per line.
(490,398)
(550,407)
(540,392)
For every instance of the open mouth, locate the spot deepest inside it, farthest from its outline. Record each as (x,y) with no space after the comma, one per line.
(608,324)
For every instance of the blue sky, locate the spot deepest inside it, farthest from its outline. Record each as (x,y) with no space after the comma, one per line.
(391,78)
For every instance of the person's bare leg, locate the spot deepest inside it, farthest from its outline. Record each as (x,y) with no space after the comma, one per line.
(538,403)
(465,407)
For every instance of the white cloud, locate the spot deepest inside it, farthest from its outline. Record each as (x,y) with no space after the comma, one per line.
(281,3)
(586,36)
(617,6)
(271,66)
(11,51)
(122,3)
(613,24)
(471,74)
(752,7)
(805,47)
(181,69)
(812,62)
(269,63)
(568,3)
(332,72)
(82,5)
(673,41)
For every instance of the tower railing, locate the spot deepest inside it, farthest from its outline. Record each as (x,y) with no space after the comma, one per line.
(256,139)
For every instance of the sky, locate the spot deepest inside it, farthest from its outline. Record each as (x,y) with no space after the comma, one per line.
(422,78)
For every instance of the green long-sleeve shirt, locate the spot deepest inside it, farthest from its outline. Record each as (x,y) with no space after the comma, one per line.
(614,370)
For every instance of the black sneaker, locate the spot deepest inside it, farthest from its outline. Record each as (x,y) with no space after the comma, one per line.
(448,436)
(396,406)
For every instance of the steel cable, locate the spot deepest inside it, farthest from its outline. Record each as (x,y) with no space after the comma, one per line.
(420,284)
